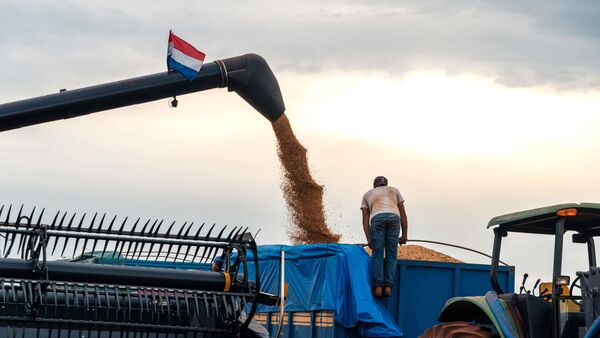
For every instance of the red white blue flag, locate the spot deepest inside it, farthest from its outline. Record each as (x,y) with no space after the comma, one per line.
(183,57)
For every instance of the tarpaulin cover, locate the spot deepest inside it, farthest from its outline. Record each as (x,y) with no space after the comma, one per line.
(326,277)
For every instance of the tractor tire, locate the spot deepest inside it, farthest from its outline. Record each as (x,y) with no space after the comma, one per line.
(456,330)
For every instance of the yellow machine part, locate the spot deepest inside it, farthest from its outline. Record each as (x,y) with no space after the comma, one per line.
(567,306)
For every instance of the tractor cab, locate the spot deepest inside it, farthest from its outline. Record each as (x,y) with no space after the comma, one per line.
(556,314)
(556,311)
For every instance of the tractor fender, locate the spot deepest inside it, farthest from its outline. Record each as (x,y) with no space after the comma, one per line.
(469,309)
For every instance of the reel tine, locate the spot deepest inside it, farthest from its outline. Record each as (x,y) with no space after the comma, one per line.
(71,222)
(179,236)
(1,209)
(64,248)
(210,231)
(187,251)
(54,220)
(205,302)
(131,233)
(77,239)
(13,236)
(142,232)
(231,232)
(221,232)
(86,239)
(150,232)
(107,241)
(119,242)
(98,231)
(8,215)
(153,234)
(198,232)
(162,244)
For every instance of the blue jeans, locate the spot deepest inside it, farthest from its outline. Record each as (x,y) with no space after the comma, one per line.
(385,230)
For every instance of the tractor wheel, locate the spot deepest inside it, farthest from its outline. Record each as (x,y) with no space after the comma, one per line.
(456,330)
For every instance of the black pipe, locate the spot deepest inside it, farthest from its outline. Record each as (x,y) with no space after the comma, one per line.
(119,275)
(498,234)
(248,75)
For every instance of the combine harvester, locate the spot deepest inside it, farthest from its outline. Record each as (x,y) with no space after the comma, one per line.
(42,297)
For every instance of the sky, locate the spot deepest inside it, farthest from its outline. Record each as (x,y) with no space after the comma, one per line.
(472,109)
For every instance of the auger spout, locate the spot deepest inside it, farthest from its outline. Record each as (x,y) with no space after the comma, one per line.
(248,75)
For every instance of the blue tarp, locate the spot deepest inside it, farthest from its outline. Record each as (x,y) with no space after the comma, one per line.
(327,277)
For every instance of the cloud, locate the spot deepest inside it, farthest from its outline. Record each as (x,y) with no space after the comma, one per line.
(536,43)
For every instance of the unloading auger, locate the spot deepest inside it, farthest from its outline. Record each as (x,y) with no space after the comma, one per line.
(40,295)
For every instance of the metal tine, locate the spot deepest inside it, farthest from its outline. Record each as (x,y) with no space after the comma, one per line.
(53,224)
(66,290)
(221,232)
(118,242)
(71,222)
(76,295)
(8,214)
(98,231)
(184,236)
(150,232)
(196,236)
(199,230)
(66,237)
(138,242)
(24,238)
(162,244)
(160,299)
(168,302)
(86,303)
(176,298)
(187,251)
(77,239)
(8,246)
(97,302)
(215,302)
(205,302)
(225,303)
(210,254)
(1,209)
(12,287)
(210,231)
(14,235)
(131,241)
(57,226)
(117,298)
(25,290)
(107,241)
(2,281)
(53,288)
(195,294)
(86,239)
(231,232)
(146,299)
(154,234)
(18,222)
(178,245)
(204,248)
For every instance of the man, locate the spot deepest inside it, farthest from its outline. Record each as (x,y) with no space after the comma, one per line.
(383,208)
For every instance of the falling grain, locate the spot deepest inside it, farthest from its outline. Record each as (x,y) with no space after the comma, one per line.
(303,196)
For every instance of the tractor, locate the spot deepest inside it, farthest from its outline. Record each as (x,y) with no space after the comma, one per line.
(556,311)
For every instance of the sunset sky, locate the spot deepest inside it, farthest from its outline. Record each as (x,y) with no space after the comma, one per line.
(472,109)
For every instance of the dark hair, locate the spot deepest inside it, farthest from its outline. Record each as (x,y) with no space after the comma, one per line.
(380,181)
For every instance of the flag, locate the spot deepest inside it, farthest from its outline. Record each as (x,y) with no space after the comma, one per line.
(183,57)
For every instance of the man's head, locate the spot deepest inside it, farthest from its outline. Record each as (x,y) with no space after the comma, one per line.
(380,181)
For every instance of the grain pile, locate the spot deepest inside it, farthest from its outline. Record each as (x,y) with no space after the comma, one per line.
(303,196)
(419,253)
